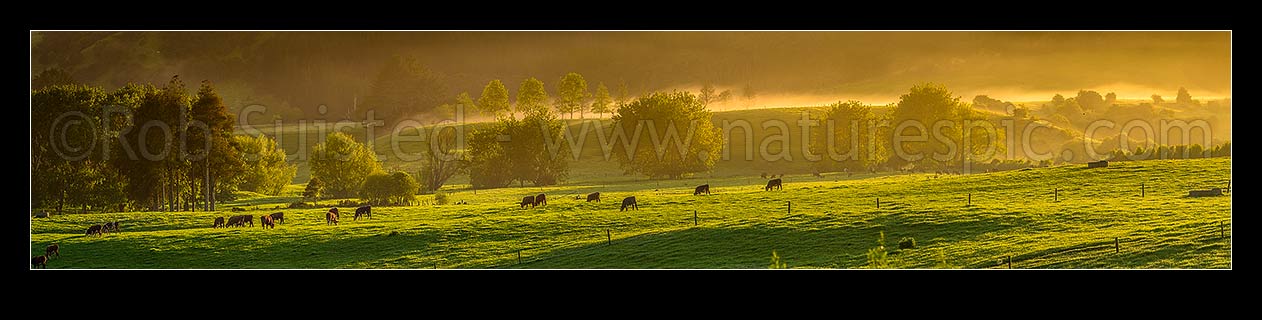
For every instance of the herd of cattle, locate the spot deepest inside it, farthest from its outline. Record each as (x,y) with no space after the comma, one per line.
(331,217)
(630,202)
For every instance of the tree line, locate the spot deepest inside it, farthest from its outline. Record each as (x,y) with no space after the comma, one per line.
(144,147)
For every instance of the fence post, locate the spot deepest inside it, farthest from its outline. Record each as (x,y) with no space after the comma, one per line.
(1117,245)
(878,202)
(1009,261)
(790,207)
(970,200)
(694,218)
(518,256)
(1056,195)
(608,237)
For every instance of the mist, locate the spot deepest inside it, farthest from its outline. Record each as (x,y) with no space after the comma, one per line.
(302,70)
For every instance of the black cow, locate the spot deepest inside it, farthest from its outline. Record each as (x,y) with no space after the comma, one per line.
(705,188)
(93,230)
(527,201)
(363,211)
(218,223)
(278,217)
(594,196)
(774,184)
(38,261)
(629,202)
(541,200)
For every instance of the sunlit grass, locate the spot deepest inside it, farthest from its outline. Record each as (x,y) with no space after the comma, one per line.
(833,224)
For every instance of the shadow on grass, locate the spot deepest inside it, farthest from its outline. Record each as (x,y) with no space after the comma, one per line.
(837,246)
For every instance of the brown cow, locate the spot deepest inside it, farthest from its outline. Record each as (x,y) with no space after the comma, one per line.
(51,250)
(541,200)
(705,188)
(363,211)
(595,196)
(38,261)
(266,221)
(278,217)
(629,202)
(527,201)
(218,223)
(774,184)
(94,229)
(330,218)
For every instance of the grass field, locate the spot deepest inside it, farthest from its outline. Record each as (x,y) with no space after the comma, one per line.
(833,223)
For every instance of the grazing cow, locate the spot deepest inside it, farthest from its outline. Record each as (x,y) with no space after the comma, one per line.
(527,201)
(705,188)
(335,212)
(266,221)
(51,250)
(594,196)
(218,223)
(233,221)
(330,218)
(94,229)
(363,211)
(278,217)
(541,200)
(240,220)
(629,202)
(38,261)
(774,184)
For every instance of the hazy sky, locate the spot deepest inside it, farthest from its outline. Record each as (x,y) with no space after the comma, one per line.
(785,67)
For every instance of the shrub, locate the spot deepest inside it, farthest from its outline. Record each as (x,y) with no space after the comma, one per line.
(776,262)
(907,243)
(878,258)
(397,188)
(440,198)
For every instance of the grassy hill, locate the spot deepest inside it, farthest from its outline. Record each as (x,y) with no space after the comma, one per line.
(833,223)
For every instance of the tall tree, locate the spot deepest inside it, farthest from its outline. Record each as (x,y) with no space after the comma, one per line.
(1184,98)
(683,137)
(572,93)
(601,101)
(342,164)
(442,160)
(494,99)
(532,97)
(265,171)
(622,96)
(219,160)
(847,141)
(749,94)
